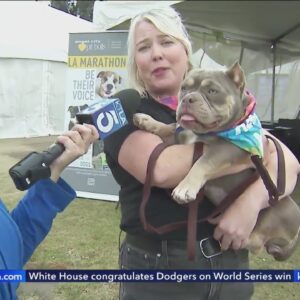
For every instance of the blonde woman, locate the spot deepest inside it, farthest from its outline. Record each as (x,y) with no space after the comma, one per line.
(159,57)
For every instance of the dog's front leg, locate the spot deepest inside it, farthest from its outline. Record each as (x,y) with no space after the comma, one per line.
(212,164)
(147,123)
(199,174)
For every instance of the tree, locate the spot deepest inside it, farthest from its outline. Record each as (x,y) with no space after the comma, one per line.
(82,9)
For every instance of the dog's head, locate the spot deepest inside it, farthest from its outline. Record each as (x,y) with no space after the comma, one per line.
(107,83)
(73,110)
(212,100)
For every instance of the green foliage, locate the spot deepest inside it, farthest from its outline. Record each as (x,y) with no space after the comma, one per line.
(86,236)
(82,9)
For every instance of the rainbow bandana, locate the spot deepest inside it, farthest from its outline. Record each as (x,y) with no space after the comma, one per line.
(245,133)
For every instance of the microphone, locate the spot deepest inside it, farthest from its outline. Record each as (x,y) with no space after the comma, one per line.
(107,116)
(34,166)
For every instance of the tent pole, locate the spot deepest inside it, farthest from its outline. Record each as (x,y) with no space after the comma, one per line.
(241,54)
(273,47)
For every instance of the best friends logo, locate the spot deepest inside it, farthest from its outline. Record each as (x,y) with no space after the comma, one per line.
(88,45)
(82,46)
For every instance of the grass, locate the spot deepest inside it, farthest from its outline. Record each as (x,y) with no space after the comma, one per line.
(86,236)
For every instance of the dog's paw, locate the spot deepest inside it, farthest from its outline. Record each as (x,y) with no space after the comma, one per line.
(183,196)
(186,191)
(145,122)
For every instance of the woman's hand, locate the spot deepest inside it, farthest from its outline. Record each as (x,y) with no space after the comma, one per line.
(76,142)
(235,225)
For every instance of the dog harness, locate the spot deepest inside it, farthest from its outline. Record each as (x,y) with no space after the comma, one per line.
(191,223)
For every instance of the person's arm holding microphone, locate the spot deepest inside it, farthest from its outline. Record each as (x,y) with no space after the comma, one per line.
(76,143)
(27,225)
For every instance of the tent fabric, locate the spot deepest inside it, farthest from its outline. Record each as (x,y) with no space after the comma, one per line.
(261,35)
(259,26)
(106,15)
(33,67)
(31,29)
(32,94)
(254,25)
(255,22)
(34,50)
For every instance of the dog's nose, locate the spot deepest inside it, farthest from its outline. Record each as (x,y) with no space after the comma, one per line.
(188,100)
(109,86)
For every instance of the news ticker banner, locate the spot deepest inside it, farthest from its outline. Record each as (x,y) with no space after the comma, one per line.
(149,276)
(96,71)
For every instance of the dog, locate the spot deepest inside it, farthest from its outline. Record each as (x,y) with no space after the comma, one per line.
(107,83)
(73,110)
(210,103)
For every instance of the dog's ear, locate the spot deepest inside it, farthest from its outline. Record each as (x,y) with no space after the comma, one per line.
(100,74)
(120,79)
(245,101)
(236,74)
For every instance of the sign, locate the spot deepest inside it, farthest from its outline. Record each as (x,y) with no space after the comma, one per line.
(96,71)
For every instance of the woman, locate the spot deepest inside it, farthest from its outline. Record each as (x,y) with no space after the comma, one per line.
(159,52)
(26,226)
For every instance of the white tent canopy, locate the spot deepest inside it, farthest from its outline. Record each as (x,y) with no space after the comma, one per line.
(33,54)
(106,15)
(257,24)
(31,29)
(34,50)
(260,34)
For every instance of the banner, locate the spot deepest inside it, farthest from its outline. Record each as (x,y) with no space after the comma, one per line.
(150,276)
(96,71)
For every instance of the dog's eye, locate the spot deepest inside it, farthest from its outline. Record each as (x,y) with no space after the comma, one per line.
(183,89)
(212,91)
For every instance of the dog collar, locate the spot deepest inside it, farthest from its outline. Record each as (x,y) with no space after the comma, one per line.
(170,101)
(249,109)
(246,135)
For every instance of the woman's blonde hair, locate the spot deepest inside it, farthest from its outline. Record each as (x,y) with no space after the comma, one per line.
(168,21)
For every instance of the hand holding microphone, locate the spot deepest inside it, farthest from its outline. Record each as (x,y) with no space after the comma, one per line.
(106,117)
(75,143)
(50,163)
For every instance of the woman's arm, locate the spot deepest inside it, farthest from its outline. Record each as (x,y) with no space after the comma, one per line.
(76,142)
(35,213)
(171,166)
(235,225)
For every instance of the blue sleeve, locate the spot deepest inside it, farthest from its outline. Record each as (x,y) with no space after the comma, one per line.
(34,214)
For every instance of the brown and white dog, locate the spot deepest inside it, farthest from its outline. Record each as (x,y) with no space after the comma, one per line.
(107,83)
(210,101)
(73,110)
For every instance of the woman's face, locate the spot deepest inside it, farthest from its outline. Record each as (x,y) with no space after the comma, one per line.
(161,60)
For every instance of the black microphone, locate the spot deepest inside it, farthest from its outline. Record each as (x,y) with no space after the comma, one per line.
(34,166)
(107,116)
